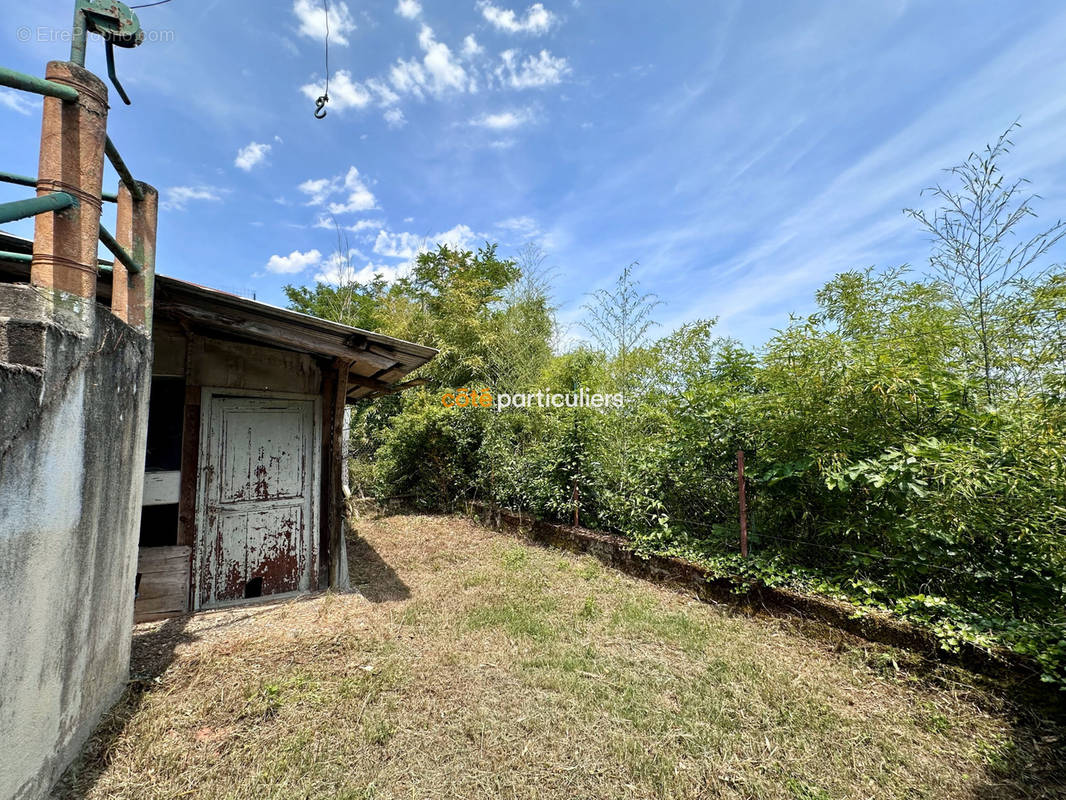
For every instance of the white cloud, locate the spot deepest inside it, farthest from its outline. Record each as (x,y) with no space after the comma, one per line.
(294,262)
(318,190)
(360,226)
(504,120)
(365,225)
(408,245)
(17,102)
(395,118)
(398,245)
(440,72)
(312,18)
(470,47)
(443,72)
(344,93)
(381,90)
(437,74)
(461,236)
(543,69)
(251,154)
(407,77)
(408,8)
(359,196)
(176,198)
(524,224)
(537,20)
(341,270)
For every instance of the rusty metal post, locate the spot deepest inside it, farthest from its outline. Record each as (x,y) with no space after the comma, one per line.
(743,505)
(120,276)
(71,161)
(136,232)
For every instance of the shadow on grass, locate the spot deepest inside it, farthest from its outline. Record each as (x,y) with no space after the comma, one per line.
(151,652)
(370,575)
(1029,763)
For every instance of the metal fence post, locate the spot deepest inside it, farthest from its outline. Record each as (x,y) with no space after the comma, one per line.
(743,505)
(138,220)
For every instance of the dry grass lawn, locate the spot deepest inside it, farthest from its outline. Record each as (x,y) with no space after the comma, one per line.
(474,666)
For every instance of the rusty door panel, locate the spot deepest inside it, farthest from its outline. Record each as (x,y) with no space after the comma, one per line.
(259,497)
(275,549)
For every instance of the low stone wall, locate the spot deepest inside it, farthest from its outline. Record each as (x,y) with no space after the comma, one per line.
(74,387)
(1010,670)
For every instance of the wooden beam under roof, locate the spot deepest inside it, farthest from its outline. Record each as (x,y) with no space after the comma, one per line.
(378,388)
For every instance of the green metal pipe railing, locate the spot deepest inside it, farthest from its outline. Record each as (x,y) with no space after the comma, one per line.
(28,83)
(18,258)
(18,180)
(20,209)
(122,170)
(27,258)
(26,180)
(119,251)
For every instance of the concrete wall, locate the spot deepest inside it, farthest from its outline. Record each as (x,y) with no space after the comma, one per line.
(73,413)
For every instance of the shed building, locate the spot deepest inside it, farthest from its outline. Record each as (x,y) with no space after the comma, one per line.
(244,455)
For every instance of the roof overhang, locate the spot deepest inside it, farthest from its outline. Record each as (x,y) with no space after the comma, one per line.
(376,363)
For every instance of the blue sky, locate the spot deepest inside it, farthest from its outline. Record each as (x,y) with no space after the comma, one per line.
(742,152)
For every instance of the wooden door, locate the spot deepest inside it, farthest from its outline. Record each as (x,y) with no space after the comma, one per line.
(258,498)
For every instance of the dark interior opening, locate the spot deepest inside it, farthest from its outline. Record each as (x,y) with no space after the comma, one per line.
(254,588)
(159,526)
(166,415)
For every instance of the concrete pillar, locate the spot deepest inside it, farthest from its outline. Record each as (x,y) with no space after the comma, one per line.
(137,222)
(72,160)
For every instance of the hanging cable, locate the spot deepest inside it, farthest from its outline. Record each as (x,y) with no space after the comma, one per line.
(149,5)
(320,103)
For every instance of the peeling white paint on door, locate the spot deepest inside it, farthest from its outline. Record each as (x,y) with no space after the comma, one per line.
(258,498)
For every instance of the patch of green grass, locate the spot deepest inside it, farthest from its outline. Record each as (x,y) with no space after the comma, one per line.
(415,614)
(368,682)
(929,718)
(644,618)
(997,754)
(805,791)
(475,578)
(590,609)
(378,728)
(531,619)
(515,558)
(590,570)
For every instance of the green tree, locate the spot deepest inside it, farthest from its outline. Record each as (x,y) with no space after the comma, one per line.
(985,257)
(457,296)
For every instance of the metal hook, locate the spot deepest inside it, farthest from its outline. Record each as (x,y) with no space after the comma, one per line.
(110,50)
(320,109)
